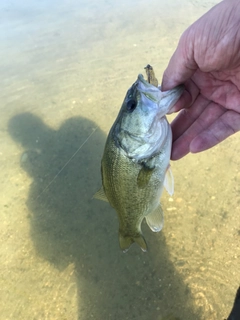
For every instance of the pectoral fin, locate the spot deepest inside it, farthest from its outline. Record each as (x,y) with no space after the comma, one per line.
(155,219)
(100,195)
(144,175)
(169,181)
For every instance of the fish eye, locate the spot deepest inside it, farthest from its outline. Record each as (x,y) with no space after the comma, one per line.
(131,105)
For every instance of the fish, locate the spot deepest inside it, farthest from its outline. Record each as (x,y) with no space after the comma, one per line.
(135,162)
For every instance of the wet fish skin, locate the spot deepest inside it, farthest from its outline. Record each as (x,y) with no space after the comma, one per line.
(136,158)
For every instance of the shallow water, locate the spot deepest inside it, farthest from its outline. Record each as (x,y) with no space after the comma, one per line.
(65,68)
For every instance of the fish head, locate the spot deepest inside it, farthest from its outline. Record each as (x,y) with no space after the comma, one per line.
(145,104)
(141,126)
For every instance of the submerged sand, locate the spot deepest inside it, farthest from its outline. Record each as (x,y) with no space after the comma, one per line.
(65,68)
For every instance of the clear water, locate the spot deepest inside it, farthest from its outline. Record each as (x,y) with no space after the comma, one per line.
(65,67)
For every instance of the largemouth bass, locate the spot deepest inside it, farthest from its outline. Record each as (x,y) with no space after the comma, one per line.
(135,162)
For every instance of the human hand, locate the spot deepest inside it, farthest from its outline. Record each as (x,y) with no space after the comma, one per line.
(207,61)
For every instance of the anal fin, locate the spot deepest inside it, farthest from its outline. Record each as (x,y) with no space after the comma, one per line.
(169,181)
(100,195)
(155,219)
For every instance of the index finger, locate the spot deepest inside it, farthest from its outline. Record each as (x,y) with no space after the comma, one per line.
(181,65)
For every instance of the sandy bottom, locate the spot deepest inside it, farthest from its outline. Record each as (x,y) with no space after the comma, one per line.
(65,69)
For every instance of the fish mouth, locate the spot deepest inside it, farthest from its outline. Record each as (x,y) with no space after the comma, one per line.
(165,99)
(179,88)
(149,86)
(150,91)
(176,91)
(155,94)
(146,83)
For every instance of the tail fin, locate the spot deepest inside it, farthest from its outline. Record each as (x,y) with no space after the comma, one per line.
(126,241)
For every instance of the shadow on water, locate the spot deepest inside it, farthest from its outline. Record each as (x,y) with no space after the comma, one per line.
(68,226)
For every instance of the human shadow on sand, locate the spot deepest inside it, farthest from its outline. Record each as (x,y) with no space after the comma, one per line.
(68,226)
